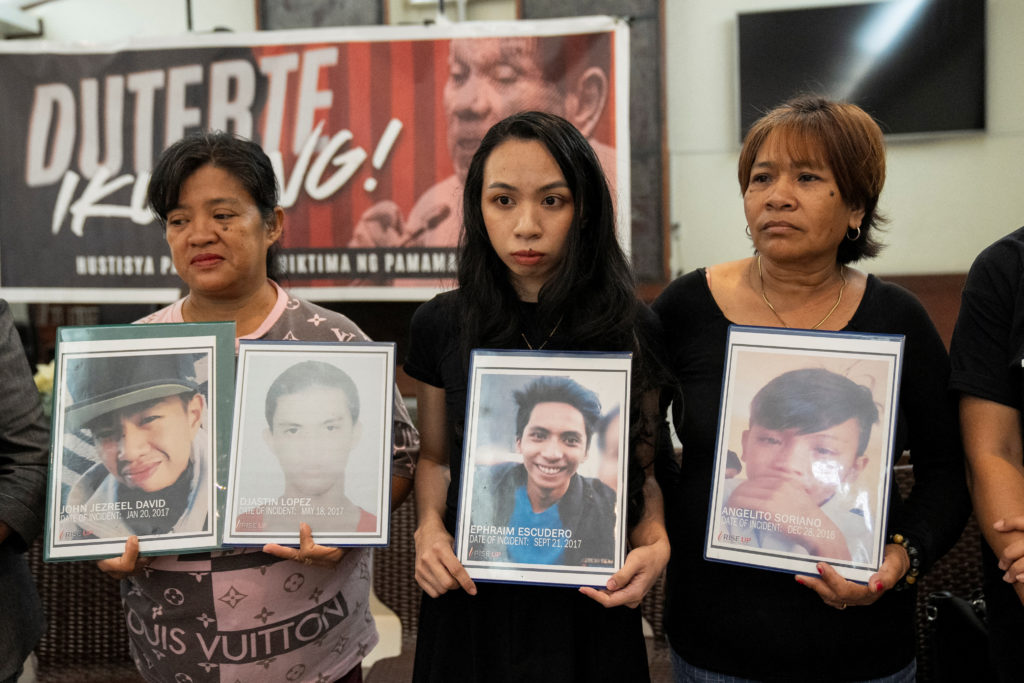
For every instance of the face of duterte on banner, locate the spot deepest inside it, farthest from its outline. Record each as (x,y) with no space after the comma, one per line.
(148,446)
(490,79)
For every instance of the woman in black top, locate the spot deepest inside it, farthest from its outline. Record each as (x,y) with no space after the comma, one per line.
(811,172)
(539,268)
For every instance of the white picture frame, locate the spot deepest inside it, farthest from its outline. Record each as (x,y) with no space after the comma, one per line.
(106,481)
(311,442)
(803,456)
(532,515)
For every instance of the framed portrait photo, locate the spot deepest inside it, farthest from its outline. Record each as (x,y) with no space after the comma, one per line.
(803,459)
(544,467)
(140,432)
(311,443)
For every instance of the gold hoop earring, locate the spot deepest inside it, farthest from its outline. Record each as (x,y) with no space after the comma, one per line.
(855,235)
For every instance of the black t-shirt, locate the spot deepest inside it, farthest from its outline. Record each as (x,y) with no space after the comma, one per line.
(987,354)
(988,343)
(507,632)
(761,624)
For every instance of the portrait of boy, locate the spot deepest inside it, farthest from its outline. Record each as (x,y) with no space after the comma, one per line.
(802,453)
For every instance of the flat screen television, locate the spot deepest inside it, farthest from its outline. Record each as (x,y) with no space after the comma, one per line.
(917,66)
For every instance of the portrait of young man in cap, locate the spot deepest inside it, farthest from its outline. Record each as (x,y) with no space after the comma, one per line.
(145,416)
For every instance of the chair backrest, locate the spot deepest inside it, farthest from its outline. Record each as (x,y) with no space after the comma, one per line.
(85,622)
(394,569)
(958,571)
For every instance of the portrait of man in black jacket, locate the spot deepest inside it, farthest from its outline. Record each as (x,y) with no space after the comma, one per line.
(541,510)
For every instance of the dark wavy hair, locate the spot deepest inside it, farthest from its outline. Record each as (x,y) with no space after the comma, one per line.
(590,295)
(242,158)
(557,390)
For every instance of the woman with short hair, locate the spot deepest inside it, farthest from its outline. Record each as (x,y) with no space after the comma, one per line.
(811,172)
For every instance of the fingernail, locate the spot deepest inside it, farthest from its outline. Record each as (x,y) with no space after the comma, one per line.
(821,569)
(879,587)
(1020,577)
(611,585)
(1006,578)
(800,580)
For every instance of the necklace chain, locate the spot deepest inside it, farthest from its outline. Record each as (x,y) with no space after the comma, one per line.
(546,340)
(839,299)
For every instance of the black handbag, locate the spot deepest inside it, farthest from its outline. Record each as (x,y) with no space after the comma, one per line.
(958,638)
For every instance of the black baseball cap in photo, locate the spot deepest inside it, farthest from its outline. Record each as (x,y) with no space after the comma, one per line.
(104,384)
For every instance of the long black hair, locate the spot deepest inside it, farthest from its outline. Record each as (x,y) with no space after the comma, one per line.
(591,291)
(590,296)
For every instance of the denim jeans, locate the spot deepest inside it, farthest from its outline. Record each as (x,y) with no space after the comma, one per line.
(682,672)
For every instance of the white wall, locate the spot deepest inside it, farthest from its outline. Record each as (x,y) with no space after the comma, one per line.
(105,21)
(406,12)
(947,197)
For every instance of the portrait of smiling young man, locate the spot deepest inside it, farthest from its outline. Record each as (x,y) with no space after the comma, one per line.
(552,444)
(544,496)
